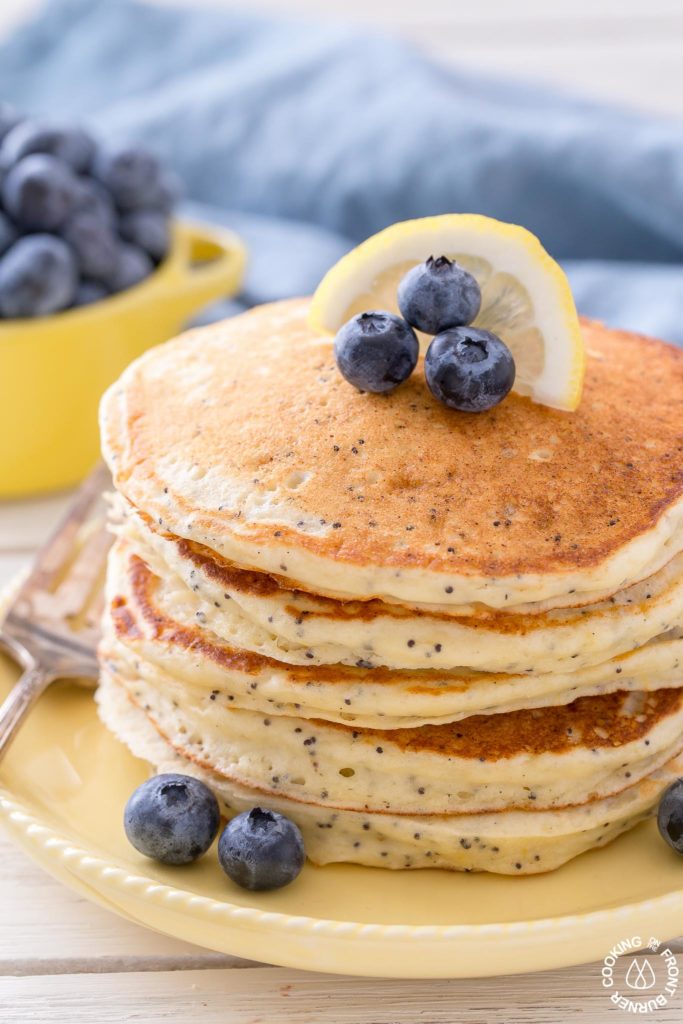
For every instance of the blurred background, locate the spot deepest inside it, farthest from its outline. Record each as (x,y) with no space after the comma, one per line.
(306,126)
(626,51)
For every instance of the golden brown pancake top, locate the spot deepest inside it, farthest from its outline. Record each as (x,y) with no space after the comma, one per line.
(399,480)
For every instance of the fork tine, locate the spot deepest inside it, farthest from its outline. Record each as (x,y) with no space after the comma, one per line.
(84,573)
(54,555)
(52,626)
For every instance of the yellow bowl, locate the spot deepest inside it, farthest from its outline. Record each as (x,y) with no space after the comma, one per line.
(53,370)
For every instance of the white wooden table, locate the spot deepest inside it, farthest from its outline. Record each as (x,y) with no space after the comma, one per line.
(65,961)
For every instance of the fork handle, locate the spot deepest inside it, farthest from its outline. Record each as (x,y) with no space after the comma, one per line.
(21,698)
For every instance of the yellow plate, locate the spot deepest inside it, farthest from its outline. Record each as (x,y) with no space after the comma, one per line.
(54,369)
(63,787)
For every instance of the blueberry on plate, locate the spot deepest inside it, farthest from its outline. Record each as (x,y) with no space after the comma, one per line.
(38,276)
(71,145)
(172,818)
(39,192)
(132,266)
(670,816)
(89,292)
(437,295)
(95,245)
(261,849)
(148,229)
(469,369)
(131,173)
(376,351)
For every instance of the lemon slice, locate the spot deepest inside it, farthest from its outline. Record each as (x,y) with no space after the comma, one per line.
(526,298)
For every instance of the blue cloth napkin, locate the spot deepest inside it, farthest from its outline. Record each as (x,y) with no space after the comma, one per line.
(309,136)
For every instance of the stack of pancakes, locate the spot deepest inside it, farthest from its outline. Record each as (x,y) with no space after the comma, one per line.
(432,639)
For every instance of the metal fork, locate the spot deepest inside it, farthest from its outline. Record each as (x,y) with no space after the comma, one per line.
(52,626)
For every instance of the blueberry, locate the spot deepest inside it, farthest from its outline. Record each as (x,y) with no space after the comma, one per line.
(437,295)
(376,351)
(165,193)
(148,229)
(95,245)
(469,369)
(670,816)
(38,276)
(71,145)
(261,849)
(132,266)
(161,195)
(92,198)
(132,174)
(172,818)
(89,292)
(8,233)
(39,192)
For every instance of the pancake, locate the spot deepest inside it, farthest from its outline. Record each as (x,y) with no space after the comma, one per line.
(546,758)
(243,437)
(249,609)
(157,644)
(431,639)
(515,842)
(266,595)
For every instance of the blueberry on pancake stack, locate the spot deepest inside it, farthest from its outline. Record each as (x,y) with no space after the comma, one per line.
(430,638)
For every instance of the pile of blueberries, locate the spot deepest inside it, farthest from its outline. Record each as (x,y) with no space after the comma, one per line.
(175,818)
(78,221)
(465,368)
